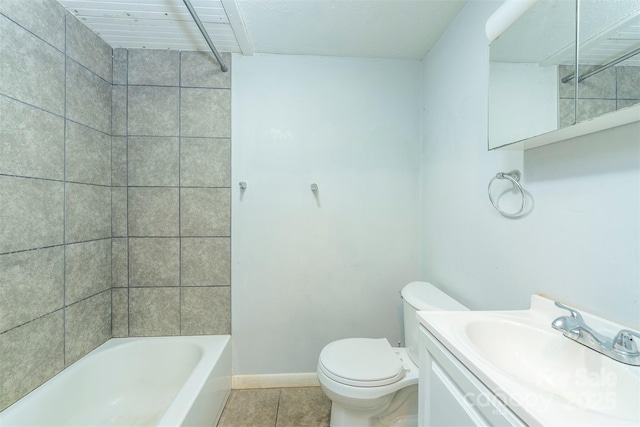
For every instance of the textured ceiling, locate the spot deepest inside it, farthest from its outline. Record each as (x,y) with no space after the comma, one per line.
(545,34)
(379,29)
(360,28)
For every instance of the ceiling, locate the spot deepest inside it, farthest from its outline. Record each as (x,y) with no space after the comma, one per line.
(546,33)
(358,28)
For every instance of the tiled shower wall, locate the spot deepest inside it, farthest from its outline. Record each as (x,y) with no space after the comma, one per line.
(55,193)
(610,90)
(171,194)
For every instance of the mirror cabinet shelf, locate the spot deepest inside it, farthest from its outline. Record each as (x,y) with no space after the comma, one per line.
(534,96)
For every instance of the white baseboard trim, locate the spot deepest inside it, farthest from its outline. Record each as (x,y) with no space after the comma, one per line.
(307,379)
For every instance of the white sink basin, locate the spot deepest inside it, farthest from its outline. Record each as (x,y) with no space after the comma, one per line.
(544,377)
(559,367)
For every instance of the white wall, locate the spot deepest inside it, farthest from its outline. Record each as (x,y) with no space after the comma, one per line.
(306,269)
(580,243)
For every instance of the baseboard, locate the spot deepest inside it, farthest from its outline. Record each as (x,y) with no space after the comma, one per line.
(307,379)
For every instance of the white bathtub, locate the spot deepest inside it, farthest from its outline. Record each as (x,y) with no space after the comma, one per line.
(163,381)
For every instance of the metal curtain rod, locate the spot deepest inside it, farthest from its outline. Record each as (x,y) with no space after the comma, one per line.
(198,22)
(602,67)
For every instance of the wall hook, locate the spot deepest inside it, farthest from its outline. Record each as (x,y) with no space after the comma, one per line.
(314,187)
(243,185)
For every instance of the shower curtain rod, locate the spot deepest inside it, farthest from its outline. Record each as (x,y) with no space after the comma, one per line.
(602,67)
(196,19)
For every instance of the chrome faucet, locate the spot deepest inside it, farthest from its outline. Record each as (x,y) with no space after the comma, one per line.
(623,347)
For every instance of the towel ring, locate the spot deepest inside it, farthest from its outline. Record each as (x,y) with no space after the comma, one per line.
(513,176)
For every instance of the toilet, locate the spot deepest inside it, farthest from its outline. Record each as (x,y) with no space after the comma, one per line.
(371,383)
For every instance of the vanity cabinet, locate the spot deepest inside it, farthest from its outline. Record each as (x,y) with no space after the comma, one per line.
(450,395)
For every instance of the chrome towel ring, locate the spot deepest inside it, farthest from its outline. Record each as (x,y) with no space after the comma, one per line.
(513,176)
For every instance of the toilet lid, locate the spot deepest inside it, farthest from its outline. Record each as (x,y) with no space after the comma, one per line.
(362,362)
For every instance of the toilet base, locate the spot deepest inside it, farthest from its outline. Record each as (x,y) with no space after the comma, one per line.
(402,411)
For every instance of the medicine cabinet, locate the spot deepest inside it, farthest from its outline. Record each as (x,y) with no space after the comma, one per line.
(533,96)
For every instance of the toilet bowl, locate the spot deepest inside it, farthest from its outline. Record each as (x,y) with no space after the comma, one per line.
(371,383)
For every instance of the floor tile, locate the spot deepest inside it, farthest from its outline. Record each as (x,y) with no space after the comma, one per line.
(255,408)
(303,407)
(271,407)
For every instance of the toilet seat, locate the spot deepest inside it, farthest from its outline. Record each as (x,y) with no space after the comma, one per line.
(361,362)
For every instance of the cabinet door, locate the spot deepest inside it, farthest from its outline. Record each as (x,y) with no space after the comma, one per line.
(447,405)
(450,395)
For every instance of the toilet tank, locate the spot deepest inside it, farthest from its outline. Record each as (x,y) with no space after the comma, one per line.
(422,296)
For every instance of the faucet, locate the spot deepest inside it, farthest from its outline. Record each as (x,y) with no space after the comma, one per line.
(623,347)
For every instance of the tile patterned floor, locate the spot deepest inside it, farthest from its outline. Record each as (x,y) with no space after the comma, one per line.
(277,407)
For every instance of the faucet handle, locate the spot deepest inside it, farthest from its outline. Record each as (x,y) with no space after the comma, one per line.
(575,314)
(624,341)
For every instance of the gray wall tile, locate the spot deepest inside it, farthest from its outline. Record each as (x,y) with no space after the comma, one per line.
(118,161)
(205,162)
(566,113)
(154,67)
(154,311)
(206,261)
(587,109)
(118,211)
(88,269)
(153,111)
(119,110)
(31,285)
(201,69)
(565,90)
(44,18)
(120,312)
(120,66)
(628,82)
(601,85)
(32,142)
(31,354)
(87,325)
(31,213)
(88,98)
(205,212)
(85,47)
(205,112)
(153,161)
(88,212)
(624,103)
(119,263)
(153,211)
(154,262)
(206,311)
(88,155)
(27,59)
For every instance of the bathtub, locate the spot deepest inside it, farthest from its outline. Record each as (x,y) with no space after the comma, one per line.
(160,381)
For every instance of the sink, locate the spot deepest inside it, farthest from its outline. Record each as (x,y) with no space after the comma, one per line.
(557,367)
(544,377)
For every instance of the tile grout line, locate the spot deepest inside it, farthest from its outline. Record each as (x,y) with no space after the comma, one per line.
(278,407)
(230,301)
(37,36)
(111,176)
(180,191)
(126,151)
(64,203)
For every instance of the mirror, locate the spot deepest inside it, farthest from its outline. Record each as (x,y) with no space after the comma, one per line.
(533,64)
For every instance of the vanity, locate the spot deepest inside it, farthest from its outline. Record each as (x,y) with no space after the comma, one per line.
(512,368)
